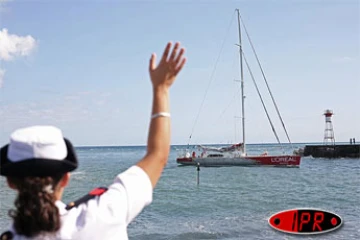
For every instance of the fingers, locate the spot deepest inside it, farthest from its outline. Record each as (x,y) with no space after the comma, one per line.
(180,66)
(174,52)
(175,61)
(179,56)
(166,52)
(152,64)
(180,61)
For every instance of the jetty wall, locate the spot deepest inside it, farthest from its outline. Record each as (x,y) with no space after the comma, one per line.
(333,151)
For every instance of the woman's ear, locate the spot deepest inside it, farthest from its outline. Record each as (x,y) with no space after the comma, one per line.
(10,184)
(64,180)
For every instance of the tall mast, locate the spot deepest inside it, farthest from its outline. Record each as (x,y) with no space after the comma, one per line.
(242,84)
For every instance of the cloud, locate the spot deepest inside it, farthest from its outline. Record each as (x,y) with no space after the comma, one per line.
(71,108)
(2,73)
(3,9)
(343,59)
(13,46)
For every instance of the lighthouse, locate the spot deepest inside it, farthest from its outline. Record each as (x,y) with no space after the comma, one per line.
(329,131)
(329,149)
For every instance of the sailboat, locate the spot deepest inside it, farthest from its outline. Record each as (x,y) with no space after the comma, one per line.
(235,154)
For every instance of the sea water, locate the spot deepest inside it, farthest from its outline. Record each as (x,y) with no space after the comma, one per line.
(229,202)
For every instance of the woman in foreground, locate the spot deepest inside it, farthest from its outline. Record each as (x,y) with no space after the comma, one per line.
(38,160)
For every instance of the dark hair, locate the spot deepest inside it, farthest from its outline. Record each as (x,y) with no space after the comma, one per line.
(36,211)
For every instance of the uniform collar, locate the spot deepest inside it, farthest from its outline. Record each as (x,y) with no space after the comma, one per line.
(61,206)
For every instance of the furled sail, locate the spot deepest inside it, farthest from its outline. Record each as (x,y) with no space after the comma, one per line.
(231,148)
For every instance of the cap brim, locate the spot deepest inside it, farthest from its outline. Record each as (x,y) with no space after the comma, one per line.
(38,166)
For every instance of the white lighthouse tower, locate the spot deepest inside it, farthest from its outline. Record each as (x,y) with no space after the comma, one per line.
(329,131)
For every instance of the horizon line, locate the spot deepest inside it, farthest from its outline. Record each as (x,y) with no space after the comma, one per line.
(134,145)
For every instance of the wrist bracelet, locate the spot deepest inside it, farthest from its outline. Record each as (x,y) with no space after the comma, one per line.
(160,114)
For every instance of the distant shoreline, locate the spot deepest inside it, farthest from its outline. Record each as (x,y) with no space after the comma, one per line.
(207,144)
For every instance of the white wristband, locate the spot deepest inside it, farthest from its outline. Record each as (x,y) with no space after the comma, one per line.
(160,114)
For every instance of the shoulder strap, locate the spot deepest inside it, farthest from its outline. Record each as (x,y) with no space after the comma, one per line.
(8,235)
(92,194)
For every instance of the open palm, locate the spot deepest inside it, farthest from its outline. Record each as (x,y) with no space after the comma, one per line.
(164,74)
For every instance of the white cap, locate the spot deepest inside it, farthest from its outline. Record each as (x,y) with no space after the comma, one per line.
(45,142)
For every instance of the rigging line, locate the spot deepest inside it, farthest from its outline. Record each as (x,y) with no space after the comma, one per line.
(227,107)
(211,77)
(267,85)
(236,94)
(262,101)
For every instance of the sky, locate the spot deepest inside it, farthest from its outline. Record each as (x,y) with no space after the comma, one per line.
(83,67)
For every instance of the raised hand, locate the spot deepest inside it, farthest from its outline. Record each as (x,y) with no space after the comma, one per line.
(164,74)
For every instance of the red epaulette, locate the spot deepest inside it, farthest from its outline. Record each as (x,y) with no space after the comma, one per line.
(92,194)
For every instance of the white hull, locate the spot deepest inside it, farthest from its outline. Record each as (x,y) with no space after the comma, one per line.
(224,161)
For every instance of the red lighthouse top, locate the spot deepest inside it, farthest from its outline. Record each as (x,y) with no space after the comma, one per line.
(328,113)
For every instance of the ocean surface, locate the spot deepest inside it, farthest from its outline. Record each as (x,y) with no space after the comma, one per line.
(229,202)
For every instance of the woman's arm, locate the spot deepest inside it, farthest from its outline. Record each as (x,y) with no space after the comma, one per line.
(162,76)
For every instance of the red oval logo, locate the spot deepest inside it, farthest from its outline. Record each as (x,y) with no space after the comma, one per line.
(305,221)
